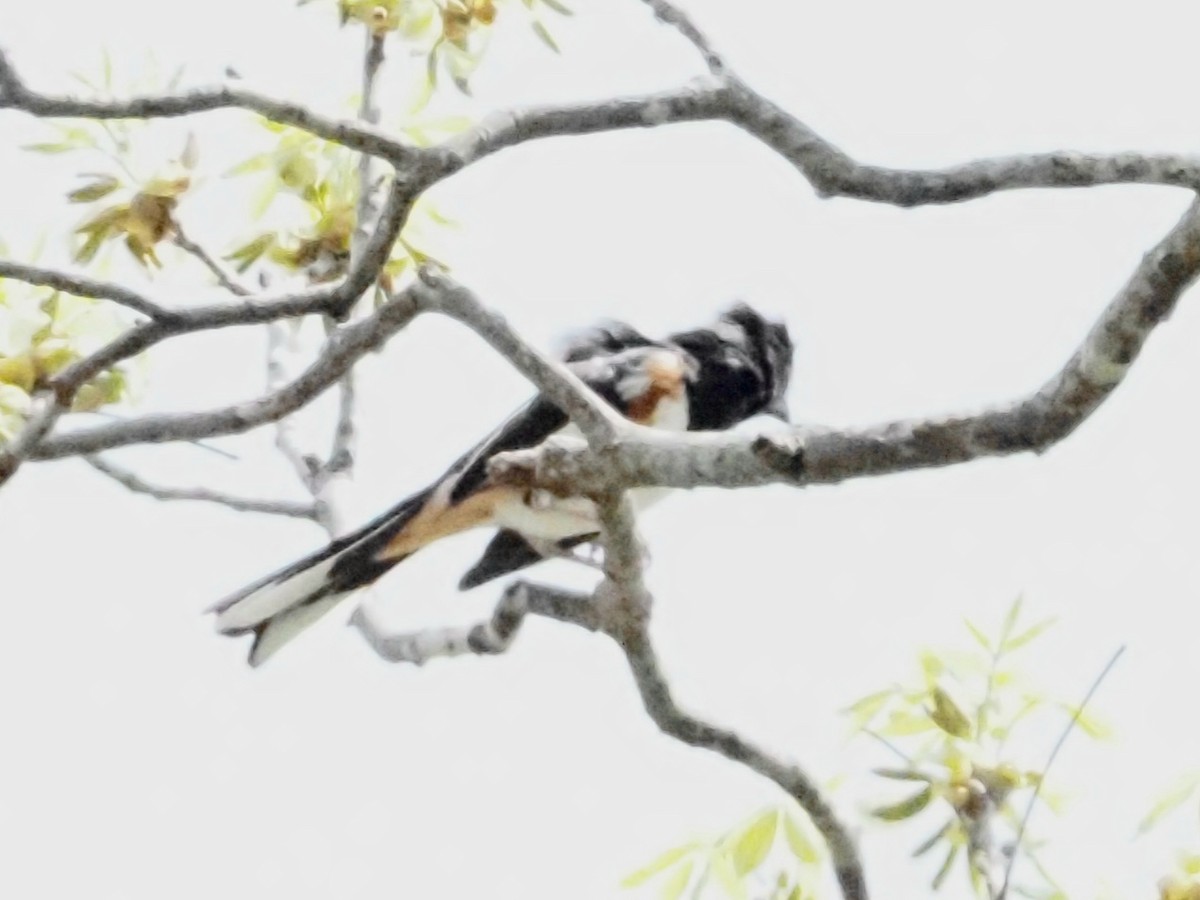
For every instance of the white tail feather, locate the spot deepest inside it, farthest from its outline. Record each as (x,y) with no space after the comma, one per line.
(286,625)
(274,597)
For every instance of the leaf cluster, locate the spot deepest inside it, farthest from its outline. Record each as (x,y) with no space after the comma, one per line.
(952,726)
(776,850)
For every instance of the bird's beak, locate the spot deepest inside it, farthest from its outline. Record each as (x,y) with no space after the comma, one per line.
(779,410)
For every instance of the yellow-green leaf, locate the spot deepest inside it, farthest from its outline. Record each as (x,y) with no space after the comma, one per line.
(750,847)
(1088,723)
(49,147)
(905,809)
(940,878)
(540,30)
(979,636)
(1180,793)
(802,844)
(1018,641)
(864,710)
(931,666)
(902,774)
(902,723)
(1010,619)
(722,867)
(659,864)
(947,715)
(101,187)
(674,886)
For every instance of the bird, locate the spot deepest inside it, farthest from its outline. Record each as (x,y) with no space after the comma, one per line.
(707,379)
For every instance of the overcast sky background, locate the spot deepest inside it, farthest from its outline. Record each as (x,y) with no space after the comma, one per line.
(140,757)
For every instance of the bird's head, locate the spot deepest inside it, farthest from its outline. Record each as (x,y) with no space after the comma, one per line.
(769,347)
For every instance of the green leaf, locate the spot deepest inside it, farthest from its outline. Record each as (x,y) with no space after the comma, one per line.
(931,666)
(947,715)
(248,254)
(902,723)
(674,886)
(864,710)
(722,867)
(905,809)
(749,848)
(1190,863)
(933,840)
(97,189)
(87,252)
(902,774)
(557,7)
(540,30)
(255,163)
(979,636)
(940,878)
(49,147)
(1179,793)
(1020,640)
(1010,619)
(431,65)
(659,864)
(799,839)
(1089,724)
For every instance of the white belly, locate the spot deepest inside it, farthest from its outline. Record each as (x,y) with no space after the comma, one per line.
(549,518)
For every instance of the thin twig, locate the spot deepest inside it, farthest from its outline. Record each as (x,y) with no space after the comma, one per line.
(670,14)
(139,485)
(84,286)
(279,341)
(1058,745)
(355,135)
(225,278)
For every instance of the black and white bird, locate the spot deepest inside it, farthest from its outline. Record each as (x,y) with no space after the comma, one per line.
(707,379)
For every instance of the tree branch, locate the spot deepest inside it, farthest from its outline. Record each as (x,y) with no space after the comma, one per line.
(667,715)
(339,354)
(496,634)
(809,455)
(225,278)
(139,485)
(599,423)
(831,171)
(334,301)
(355,135)
(302,464)
(671,15)
(83,286)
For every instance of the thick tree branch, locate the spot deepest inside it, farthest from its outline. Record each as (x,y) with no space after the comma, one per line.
(139,485)
(826,456)
(831,171)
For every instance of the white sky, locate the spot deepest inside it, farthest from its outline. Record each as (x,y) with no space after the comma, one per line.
(140,758)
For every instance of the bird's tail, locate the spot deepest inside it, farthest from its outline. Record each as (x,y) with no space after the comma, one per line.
(277,608)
